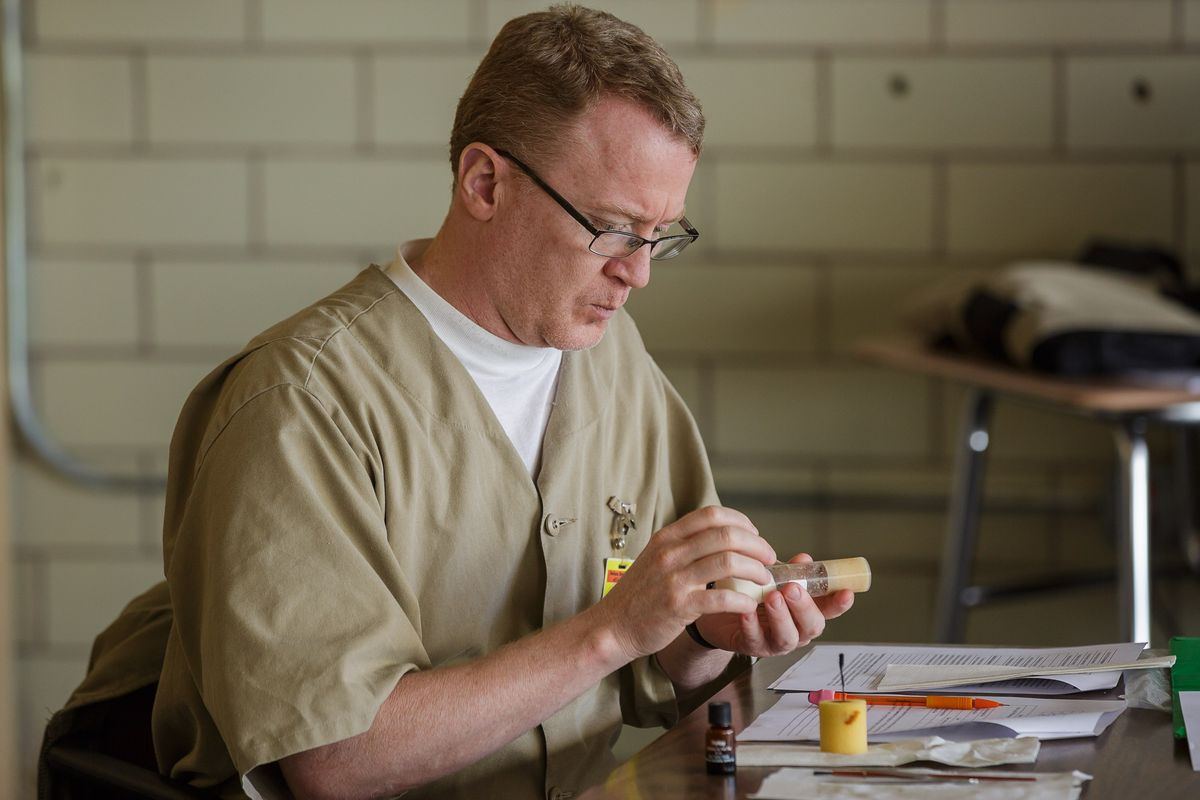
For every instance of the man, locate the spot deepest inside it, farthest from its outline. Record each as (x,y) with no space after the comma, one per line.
(390,519)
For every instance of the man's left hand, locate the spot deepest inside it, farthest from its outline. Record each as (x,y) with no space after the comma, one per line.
(786,619)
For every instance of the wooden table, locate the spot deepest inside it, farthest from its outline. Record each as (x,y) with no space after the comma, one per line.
(1136,757)
(1127,409)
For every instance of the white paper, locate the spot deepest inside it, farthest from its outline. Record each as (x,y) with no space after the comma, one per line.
(866,665)
(1189,704)
(802,784)
(973,754)
(793,718)
(906,677)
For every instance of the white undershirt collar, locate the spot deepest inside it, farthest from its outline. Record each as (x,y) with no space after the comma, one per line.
(517,380)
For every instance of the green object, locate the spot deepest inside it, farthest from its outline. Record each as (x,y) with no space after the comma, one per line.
(1185,677)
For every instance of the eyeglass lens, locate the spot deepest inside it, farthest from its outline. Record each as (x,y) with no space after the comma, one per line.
(620,245)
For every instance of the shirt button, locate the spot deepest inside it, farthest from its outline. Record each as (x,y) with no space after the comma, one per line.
(559,794)
(553,524)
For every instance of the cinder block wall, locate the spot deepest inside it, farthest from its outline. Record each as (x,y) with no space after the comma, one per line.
(196,171)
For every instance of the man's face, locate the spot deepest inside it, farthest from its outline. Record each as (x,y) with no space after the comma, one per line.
(624,172)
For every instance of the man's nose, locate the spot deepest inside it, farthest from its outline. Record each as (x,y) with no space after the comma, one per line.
(633,269)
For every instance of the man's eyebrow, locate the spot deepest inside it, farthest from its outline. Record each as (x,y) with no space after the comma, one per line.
(624,213)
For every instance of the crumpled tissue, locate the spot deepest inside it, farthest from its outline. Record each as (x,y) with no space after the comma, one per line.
(978,753)
(1149,688)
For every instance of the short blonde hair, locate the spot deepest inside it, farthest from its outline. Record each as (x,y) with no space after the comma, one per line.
(545,69)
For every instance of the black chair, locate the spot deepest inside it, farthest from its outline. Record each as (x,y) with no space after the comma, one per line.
(83,773)
(103,751)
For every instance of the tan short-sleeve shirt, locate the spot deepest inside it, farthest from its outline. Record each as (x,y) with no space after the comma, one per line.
(343,508)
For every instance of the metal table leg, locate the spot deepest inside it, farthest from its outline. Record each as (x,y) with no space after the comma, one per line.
(1133,529)
(1184,469)
(962,529)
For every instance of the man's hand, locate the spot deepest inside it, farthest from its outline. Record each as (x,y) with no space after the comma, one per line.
(666,588)
(785,620)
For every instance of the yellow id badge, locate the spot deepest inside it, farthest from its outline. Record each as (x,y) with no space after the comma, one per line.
(614,568)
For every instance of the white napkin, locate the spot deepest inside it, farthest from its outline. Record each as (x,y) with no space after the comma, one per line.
(802,784)
(978,753)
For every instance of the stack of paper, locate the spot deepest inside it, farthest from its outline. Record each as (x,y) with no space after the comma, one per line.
(794,718)
(1001,673)
(1017,668)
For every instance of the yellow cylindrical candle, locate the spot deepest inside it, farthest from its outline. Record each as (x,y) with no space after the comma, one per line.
(843,726)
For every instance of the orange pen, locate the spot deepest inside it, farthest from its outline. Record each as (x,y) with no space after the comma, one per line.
(922,701)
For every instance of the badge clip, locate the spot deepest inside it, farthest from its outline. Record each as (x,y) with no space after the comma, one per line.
(623,522)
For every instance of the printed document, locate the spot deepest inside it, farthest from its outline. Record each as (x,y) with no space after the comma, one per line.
(1189,704)
(867,664)
(794,718)
(909,677)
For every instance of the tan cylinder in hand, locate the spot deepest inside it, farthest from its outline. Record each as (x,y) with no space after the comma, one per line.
(818,578)
(843,726)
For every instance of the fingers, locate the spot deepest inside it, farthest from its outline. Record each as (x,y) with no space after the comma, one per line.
(809,620)
(731,538)
(831,605)
(728,564)
(707,518)
(711,544)
(836,604)
(781,633)
(789,619)
(724,601)
(785,620)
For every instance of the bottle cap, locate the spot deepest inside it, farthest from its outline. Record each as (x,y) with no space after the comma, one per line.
(719,714)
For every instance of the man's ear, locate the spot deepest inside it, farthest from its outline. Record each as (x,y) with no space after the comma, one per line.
(476,186)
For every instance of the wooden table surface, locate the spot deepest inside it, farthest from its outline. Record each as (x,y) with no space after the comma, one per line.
(1136,757)
(1095,395)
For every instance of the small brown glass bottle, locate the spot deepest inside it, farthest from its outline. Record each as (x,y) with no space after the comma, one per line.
(719,745)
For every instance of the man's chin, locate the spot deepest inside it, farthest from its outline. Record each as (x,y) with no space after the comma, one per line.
(579,337)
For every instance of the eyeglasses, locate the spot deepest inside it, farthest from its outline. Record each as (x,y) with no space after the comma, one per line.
(614,244)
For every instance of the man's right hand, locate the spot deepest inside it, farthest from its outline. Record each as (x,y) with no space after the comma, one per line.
(666,587)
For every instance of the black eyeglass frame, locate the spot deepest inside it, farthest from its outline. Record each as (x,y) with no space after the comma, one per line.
(691,235)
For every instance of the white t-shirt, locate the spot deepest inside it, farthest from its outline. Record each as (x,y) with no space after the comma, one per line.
(517,380)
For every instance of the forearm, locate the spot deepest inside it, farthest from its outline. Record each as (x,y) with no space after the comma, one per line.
(464,713)
(439,721)
(690,666)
